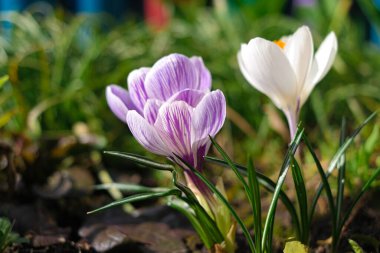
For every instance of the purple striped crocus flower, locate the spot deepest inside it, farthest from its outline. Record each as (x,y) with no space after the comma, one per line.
(170,109)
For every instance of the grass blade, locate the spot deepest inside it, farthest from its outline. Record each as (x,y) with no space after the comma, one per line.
(335,161)
(129,188)
(356,200)
(341,174)
(325,184)
(207,222)
(185,209)
(270,186)
(299,185)
(347,143)
(256,204)
(232,211)
(235,170)
(141,160)
(225,202)
(267,235)
(138,197)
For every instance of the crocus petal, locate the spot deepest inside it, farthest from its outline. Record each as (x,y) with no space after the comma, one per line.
(299,50)
(266,67)
(204,76)
(119,101)
(174,125)
(191,97)
(208,119)
(151,110)
(208,116)
(146,134)
(322,63)
(169,75)
(136,87)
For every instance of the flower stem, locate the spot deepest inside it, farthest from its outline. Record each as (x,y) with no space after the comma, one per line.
(292,118)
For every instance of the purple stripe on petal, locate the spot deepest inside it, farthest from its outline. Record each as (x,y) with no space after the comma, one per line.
(136,87)
(146,134)
(174,125)
(119,101)
(191,97)
(208,118)
(151,110)
(169,75)
(200,149)
(204,76)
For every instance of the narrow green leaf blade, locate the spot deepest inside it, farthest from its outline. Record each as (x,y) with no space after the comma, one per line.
(138,197)
(347,143)
(270,186)
(141,160)
(300,187)
(235,170)
(225,202)
(335,160)
(253,184)
(135,188)
(209,225)
(267,235)
(325,184)
(357,198)
(182,207)
(341,174)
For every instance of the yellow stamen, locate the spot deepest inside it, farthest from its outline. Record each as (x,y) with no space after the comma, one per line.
(280,43)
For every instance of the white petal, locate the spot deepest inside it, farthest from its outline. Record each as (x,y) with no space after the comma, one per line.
(146,134)
(299,50)
(267,68)
(322,63)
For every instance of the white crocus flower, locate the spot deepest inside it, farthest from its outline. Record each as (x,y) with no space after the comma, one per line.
(287,70)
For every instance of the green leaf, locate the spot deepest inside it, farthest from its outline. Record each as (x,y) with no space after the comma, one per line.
(225,202)
(267,235)
(295,247)
(141,160)
(341,174)
(208,224)
(347,143)
(299,184)
(335,161)
(129,187)
(256,204)
(357,198)
(325,184)
(248,190)
(182,207)
(355,247)
(270,186)
(138,197)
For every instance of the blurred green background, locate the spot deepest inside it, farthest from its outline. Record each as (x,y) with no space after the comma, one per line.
(56,64)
